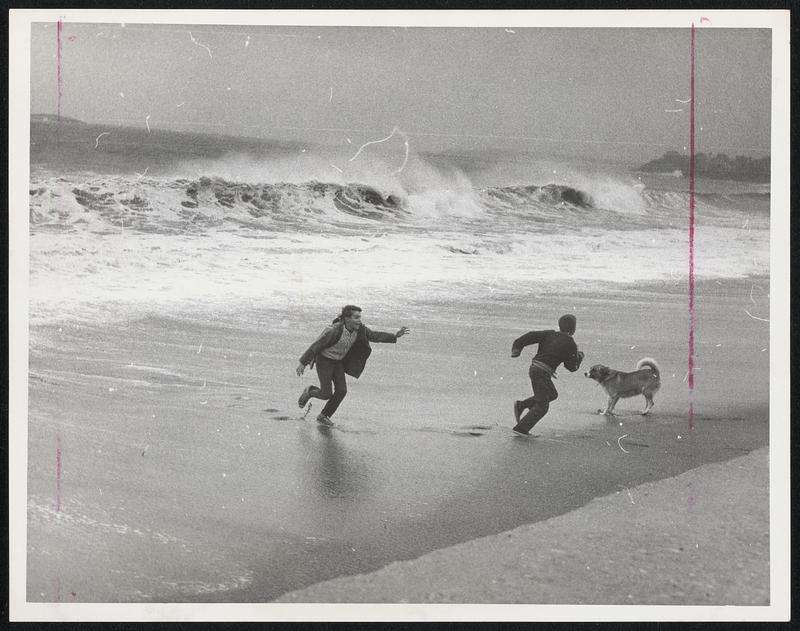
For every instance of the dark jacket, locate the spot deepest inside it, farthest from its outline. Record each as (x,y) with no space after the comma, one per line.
(356,357)
(554,347)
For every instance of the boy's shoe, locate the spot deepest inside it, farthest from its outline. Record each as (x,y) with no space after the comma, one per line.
(516,429)
(301,402)
(324,419)
(518,408)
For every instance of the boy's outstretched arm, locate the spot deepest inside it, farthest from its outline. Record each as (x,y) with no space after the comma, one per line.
(381,336)
(531,337)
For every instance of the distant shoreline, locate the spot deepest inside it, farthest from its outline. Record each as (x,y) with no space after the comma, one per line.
(715,166)
(55,118)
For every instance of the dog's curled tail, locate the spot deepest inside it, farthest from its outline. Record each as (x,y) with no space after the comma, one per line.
(649,362)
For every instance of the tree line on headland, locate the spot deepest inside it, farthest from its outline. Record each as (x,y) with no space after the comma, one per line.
(712,165)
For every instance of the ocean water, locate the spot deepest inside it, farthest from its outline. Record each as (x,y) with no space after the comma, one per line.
(230,230)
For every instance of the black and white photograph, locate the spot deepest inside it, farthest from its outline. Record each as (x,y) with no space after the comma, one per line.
(403,315)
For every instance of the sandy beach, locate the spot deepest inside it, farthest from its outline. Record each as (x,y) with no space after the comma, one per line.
(660,543)
(168,461)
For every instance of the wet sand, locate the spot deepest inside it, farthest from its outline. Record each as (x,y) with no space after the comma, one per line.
(669,542)
(187,473)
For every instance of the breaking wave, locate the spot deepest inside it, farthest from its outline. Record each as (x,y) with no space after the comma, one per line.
(177,206)
(166,244)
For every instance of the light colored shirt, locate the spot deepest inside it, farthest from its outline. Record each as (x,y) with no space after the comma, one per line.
(339,350)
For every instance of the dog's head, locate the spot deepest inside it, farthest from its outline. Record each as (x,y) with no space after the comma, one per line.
(598,372)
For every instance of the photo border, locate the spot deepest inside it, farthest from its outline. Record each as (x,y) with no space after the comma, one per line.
(780,292)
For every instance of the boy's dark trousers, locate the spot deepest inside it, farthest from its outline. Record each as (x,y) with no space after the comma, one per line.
(543,392)
(329,371)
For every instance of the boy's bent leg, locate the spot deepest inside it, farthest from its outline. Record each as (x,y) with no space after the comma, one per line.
(325,371)
(339,390)
(521,406)
(304,396)
(543,392)
(518,410)
(312,392)
(533,416)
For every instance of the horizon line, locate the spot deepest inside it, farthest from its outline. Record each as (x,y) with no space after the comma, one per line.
(127,122)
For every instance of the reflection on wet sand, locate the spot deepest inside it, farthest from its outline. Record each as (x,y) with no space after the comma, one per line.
(338,472)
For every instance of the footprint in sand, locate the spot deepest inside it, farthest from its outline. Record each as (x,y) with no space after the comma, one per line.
(279,417)
(630,442)
(472,430)
(468,430)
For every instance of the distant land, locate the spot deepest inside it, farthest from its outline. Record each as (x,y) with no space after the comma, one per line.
(65,143)
(69,144)
(54,118)
(712,165)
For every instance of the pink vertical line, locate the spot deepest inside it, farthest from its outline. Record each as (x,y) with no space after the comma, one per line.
(58,472)
(59,27)
(59,84)
(691,240)
(59,93)
(59,90)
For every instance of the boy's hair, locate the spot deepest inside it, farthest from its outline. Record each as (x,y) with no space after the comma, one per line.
(567,323)
(347,311)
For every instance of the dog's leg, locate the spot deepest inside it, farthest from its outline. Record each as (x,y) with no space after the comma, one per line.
(648,405)
(609,411)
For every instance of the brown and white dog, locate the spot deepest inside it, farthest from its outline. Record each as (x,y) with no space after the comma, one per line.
(645,380)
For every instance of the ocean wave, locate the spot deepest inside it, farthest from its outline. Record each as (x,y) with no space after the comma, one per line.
(179,206)
(138,244)
(547,194)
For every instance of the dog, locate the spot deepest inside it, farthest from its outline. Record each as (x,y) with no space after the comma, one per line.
(645,380)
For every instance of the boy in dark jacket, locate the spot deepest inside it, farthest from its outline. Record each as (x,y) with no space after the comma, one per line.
(343,348)
(555,347)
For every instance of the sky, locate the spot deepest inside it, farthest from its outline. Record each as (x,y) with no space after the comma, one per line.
(595,92)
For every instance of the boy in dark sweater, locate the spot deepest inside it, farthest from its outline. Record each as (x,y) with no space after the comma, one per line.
(555,347)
